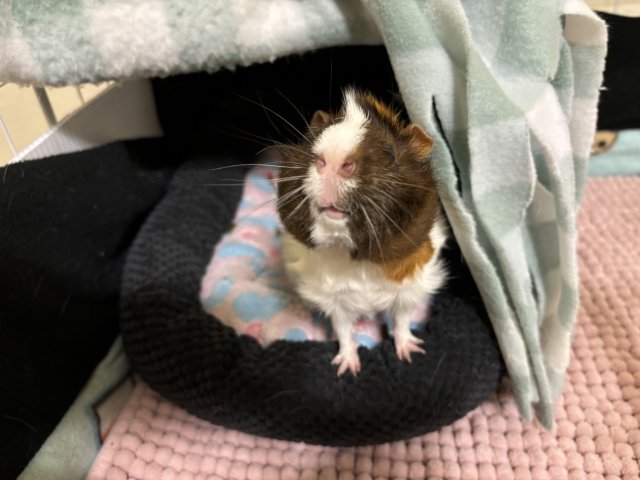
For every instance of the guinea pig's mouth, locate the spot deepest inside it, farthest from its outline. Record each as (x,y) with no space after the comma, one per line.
(333,212)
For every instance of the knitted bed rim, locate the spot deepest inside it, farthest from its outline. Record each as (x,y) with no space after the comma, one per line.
(288,390)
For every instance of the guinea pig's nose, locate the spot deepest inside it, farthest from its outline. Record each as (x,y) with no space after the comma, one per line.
(343,168)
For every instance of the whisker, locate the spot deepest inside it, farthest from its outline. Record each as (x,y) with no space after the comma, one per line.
(254,210)
(247,136)
(390,220)
(284,199)
(266,114)
(276,114)
(293,212)
(373,233)
(405,184)
(288,179)
(297,110)
(265,142)
(292,166)
(282,202)
(282,146)
(273,165)
(264,149)
(220,184)
(234,182)
(286,147)
(287,198)
(244,165)
(386,195)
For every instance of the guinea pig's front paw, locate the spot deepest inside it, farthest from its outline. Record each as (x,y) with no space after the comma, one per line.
(347,359)
(406,344)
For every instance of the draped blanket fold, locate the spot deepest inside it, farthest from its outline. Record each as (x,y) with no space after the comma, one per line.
(507,88)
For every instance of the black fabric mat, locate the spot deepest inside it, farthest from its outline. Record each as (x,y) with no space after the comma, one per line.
(65,226)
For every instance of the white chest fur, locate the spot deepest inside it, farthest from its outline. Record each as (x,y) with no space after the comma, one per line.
(332,281)
(347,289)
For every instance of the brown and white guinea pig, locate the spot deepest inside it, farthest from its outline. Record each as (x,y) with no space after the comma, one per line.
(362,218)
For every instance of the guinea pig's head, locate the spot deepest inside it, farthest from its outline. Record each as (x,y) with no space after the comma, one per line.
(360,179)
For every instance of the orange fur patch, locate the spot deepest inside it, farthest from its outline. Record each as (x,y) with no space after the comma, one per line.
(421,143)
(385,112)
(405,268)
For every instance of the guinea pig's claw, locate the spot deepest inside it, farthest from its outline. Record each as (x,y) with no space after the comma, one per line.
(348,360)
(406,345)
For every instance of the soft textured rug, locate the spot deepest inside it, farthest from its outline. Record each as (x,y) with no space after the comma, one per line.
(596,434)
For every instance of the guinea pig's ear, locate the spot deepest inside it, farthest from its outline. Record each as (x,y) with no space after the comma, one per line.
(320,119)
(419,142)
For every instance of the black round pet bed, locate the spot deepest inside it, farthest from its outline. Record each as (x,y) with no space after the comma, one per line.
(288,390)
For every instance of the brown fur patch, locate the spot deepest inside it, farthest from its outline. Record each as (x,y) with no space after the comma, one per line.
(389,116)
(406,267)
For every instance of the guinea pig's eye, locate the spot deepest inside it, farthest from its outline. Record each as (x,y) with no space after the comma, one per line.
(389,152)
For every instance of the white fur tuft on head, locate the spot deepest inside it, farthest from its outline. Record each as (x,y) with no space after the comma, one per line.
(342,138)
(334,145)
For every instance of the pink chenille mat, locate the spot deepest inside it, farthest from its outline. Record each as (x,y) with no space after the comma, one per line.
(596,433)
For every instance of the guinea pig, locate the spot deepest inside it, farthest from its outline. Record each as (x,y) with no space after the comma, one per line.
(362,220)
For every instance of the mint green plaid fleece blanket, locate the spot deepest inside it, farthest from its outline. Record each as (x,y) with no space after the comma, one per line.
(508,88)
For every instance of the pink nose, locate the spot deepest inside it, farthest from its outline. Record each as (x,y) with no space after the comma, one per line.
(344,168)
